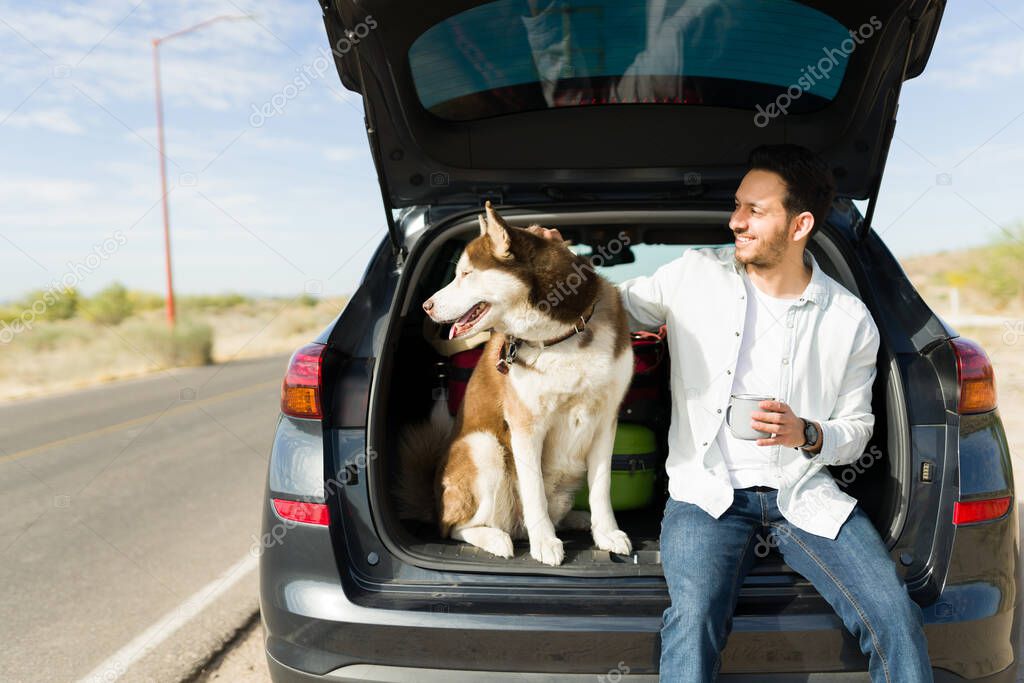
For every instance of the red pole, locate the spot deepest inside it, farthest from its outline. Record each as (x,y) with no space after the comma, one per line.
(163,182)
(163,158)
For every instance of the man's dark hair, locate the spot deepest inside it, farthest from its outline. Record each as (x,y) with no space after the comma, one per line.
(810,185)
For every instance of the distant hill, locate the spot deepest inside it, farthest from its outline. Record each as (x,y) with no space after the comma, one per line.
(988,280)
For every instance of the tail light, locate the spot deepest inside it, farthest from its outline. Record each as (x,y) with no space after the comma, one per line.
(966,512)
(300,392)
(976,382)
(975,378)
(298,511)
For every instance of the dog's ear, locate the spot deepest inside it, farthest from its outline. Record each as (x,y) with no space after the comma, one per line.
(497,232)
(483,224)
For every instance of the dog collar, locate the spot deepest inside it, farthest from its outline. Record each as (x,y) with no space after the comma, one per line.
(510,348)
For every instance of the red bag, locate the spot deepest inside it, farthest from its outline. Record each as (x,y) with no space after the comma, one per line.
(646,399)
(460,367)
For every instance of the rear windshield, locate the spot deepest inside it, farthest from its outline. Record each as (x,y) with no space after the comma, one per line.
(646,258)
(512,56)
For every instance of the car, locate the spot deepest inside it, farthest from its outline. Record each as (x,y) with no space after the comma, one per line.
(606,118)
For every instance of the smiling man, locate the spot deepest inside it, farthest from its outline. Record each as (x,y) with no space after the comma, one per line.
(761,318)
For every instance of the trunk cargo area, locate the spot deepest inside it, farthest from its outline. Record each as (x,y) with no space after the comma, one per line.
(406,390)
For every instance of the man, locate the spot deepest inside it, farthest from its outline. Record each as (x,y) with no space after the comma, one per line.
(760,317)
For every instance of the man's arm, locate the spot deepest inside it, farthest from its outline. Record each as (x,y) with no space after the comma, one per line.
(645,297)
(845,434)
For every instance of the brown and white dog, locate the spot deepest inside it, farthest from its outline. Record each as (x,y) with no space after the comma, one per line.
(540,408)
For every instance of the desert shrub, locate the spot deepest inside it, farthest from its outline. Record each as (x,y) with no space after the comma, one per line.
(109,306)
(51,304)
(216,302)
(189,343)
(145,301)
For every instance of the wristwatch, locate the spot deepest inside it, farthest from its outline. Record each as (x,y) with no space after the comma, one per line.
(810,438)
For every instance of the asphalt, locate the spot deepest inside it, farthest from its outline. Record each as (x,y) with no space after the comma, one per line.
(129,511)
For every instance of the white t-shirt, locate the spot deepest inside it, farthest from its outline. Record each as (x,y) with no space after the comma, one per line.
(758,371)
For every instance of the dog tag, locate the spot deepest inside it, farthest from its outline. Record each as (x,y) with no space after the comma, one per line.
(508,358)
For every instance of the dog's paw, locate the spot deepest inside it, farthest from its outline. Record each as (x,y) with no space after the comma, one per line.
(496,542)
(548,550)
(491,539)
(613,540)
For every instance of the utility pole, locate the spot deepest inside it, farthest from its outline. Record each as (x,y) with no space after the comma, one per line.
(163,157)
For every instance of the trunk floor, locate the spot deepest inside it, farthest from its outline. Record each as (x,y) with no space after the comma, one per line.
(643,527)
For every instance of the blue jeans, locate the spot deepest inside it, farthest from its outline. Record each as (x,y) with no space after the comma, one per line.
(706,559)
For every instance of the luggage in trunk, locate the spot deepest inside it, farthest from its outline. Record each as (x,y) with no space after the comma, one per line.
(635,463)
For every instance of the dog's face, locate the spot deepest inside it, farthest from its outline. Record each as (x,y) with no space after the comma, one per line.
(515,282)
(486,287)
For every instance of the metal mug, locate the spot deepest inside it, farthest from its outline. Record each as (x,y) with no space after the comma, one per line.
(737,416)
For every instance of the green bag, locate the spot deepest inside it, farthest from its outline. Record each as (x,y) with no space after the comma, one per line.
(634,469)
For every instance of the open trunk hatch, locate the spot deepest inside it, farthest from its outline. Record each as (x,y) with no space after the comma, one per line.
(529,100)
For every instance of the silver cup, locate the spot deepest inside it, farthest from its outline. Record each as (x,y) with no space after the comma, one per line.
(737,416)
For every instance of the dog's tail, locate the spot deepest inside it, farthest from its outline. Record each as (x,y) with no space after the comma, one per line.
(420,448)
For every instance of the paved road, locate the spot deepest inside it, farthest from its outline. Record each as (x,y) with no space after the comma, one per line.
(127,504)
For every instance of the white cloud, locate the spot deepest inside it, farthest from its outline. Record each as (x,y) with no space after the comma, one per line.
(983,64)
(44,190)
(344,153)
(262,141)
(106,51)
(52,119)
(950,33)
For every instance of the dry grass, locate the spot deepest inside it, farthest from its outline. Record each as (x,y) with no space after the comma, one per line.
(989,279)
(59,355)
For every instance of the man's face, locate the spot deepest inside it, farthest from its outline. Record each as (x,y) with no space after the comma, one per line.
(759,221)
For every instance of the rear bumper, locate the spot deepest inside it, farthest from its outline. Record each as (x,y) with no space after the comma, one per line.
(449,655)
(315,632)
(363,673)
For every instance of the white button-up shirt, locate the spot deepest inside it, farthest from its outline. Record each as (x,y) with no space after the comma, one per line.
(826,374)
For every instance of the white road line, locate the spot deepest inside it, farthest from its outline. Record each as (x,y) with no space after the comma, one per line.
(118,664)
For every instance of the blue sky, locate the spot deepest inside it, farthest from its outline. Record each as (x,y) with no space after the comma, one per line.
(293,204)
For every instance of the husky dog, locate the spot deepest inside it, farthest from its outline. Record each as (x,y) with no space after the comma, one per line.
(541,406)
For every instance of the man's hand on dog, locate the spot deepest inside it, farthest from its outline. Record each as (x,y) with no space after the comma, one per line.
(547,233)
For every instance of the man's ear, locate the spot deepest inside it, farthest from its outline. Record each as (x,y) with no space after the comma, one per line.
(802,225)
(497,232)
